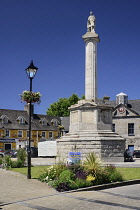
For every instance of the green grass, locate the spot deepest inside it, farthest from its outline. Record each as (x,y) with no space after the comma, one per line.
(130,173)
(35,171)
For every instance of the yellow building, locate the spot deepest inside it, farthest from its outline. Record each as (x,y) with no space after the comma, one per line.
(14,125)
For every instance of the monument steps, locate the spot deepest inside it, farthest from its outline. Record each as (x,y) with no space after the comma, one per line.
(91,133)
(91,136)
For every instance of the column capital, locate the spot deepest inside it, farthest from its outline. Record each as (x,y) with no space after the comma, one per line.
(91,36)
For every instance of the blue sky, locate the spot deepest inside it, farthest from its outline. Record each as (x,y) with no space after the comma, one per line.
(49,32)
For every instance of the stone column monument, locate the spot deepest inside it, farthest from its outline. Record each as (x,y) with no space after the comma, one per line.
(91,120)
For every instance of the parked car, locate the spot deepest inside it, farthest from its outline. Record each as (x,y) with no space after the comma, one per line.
(136,154)
(2,153)
(11,153)
(34,151)
(128,155)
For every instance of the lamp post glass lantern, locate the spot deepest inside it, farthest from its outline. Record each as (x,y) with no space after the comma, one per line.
(31,72)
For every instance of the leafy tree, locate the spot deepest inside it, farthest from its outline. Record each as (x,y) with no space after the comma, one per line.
(83,97)
(60,107)
(73,99)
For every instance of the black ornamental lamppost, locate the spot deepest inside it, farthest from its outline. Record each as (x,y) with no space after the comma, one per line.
(31,72)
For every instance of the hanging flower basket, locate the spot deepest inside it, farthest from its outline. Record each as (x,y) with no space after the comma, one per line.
(31,97)
(60,127)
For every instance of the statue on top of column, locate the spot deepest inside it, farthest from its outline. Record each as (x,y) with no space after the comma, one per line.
(91,23)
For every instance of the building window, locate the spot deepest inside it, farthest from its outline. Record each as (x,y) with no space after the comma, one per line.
(21,120)
(54,122)
(50,134)
(44,121)
(7,133)
(19,133)
(130,128)
(43,134)
(4,119)
(113,127)
(27,134)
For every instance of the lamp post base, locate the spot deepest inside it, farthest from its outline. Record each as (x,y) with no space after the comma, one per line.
(28,176)
(29,165)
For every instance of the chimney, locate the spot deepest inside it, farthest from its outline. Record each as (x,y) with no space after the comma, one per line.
(106,99)
(122,98)
(26,108)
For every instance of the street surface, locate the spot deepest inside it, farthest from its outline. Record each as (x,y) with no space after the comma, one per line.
(51,161)
(18,192)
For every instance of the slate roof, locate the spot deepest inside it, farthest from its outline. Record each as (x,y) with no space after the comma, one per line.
(133,105)
(13,123)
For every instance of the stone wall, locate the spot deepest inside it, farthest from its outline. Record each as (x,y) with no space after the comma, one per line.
(112,151)
(106,150)
(121,127)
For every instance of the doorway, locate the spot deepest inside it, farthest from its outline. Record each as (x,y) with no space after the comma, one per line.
(7,146)
(131,148)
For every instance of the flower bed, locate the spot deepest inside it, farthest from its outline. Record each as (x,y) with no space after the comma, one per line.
(68,177)
(31,97)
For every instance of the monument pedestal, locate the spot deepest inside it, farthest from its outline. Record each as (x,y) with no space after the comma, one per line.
(91,131)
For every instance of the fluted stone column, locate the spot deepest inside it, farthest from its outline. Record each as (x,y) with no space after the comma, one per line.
(91,39)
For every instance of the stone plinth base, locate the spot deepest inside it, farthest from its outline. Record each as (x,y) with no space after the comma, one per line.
(108,146)
(90,131)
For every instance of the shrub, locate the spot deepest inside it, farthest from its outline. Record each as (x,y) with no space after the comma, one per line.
(114,175)
(102,177)
(80,174)
(74,176)
(21,156)
(0,161)
(17,164)
(59,168)
(92,163)
(83,183)
(107,175)
(73,185)
(52,172)
(44,177)
(6,162)
(59,185)
(62,183)
(63,186)
(66,176)
(78,170)
(68,181)
(110,168)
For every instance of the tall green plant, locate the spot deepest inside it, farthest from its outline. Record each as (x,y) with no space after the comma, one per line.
(92,163)
(21,156)
(7,162)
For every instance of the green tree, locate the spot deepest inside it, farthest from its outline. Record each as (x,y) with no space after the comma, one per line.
(60,107)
